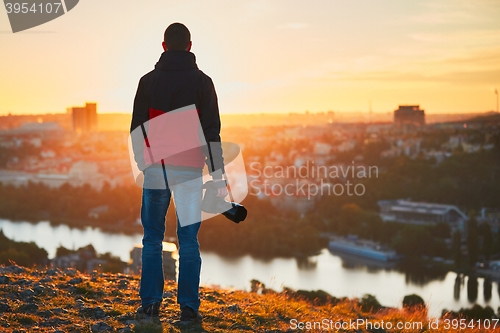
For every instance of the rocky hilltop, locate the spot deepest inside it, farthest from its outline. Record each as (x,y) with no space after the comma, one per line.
(59,301)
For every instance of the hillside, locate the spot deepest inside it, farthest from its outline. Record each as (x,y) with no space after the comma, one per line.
(68,301)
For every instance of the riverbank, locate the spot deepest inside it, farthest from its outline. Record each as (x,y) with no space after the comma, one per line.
(338,275)
(266,233)
(128,229)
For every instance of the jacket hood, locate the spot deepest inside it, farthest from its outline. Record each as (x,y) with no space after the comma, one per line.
(174,60)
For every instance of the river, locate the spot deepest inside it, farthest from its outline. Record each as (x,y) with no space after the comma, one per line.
(334,273)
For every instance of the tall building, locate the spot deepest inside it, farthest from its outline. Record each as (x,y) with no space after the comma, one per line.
(409,117)
(84,119)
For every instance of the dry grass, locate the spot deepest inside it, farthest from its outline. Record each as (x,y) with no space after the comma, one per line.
(77,306)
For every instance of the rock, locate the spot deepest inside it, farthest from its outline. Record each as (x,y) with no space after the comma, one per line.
(98,313)
(123,284)
(45,314)
(27,293)
(59,310)
(235,308)
(46,280)
(28,308)
(126,317)
(62,285)
(125,329)
(52,292)
(79,303)
(12,269)
(54,322)
(75,281)
(12,295)
(77,297)
(53,272)
(4,307)
(4,279)
(168,294)
(38,289)
(85,311)
(70,272)
(133,302)
(101,327)
(22,282)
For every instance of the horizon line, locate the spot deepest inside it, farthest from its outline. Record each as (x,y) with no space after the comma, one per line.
(2,114)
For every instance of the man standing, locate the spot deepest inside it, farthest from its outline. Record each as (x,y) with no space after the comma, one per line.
(175,87)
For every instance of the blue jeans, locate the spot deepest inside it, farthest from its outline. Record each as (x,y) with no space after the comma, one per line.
(186,186)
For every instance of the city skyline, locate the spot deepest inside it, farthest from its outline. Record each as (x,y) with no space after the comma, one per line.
(264,57)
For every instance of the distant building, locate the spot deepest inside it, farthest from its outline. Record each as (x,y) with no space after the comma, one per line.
(36,142)
(454,141)
(170,257)
(298,204)
(85,260)
(47,153)
(51,179)
(422,213)
(84,119)
(83,172)
(79,174)
(40,127)
(346,146)
(439,156)
(15,178)
(490,216)
(321,148)
(408,147)
(34,127)
(97,211)
(409,117)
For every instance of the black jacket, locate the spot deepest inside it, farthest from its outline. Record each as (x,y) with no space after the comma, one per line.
(177,82)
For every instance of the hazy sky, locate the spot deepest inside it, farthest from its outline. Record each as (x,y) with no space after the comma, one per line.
(264,56)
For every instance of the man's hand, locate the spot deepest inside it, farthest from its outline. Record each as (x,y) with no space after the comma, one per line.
(221,192)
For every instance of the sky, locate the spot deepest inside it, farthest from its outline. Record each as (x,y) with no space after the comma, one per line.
(263,56)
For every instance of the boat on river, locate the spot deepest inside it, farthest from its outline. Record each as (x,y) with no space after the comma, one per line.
(363,248)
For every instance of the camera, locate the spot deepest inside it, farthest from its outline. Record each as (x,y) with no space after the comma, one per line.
(217,205)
